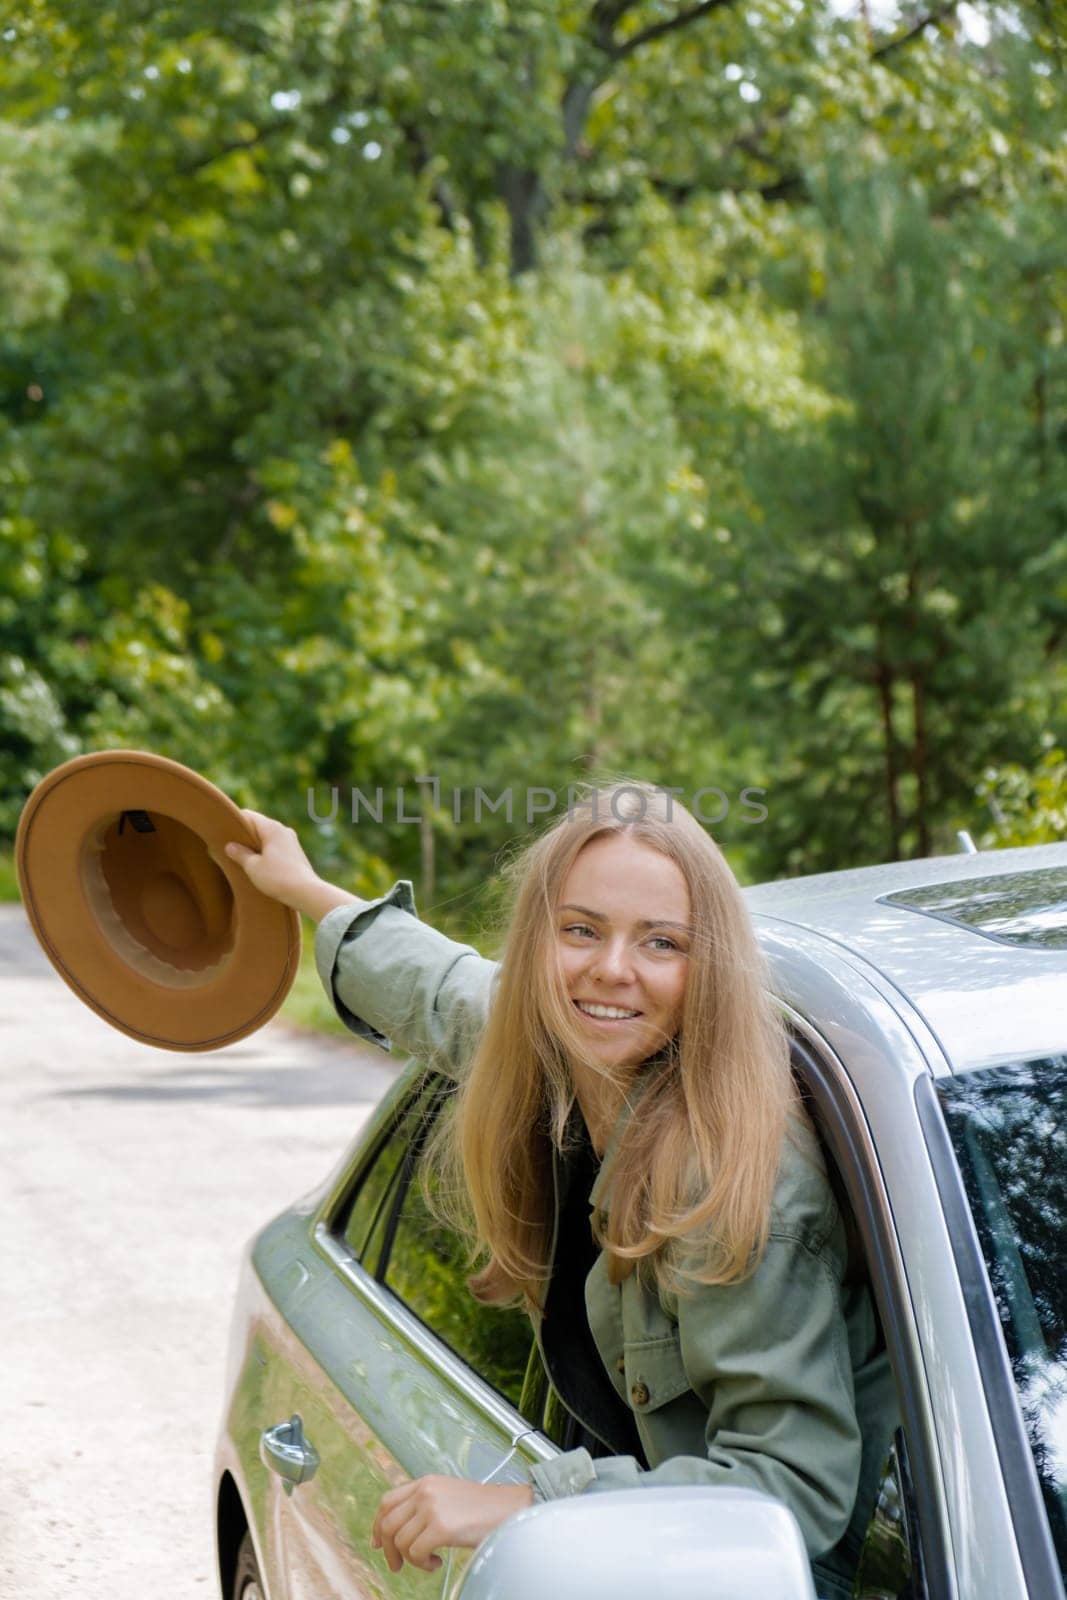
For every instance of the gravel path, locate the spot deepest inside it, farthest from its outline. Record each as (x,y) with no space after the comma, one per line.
(130,1180)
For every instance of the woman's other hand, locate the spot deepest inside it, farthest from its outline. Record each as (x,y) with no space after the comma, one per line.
(434,1512)
(280,869)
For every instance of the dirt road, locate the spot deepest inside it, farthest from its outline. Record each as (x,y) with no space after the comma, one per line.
(130,1181)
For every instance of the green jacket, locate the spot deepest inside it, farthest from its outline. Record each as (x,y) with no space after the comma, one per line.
(778,1383)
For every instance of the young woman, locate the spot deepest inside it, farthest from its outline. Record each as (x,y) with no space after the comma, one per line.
(639,1173)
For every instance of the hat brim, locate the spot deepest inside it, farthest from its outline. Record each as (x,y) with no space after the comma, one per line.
(172,1004)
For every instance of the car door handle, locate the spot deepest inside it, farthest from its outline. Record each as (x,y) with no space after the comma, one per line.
(285,1451)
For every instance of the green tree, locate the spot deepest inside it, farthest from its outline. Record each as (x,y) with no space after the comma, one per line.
(1029,806)
(505,392)
(897,555)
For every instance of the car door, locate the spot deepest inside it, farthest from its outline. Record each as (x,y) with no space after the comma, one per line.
(387,1369)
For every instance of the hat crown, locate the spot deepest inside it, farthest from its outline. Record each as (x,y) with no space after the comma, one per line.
(166,900)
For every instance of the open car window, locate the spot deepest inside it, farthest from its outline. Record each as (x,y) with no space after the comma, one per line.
(428,1266)
(390,1225)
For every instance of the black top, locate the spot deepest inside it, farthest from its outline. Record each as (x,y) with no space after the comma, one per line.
(571,1356)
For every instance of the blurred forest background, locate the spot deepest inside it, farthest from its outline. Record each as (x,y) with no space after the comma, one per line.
(511,392)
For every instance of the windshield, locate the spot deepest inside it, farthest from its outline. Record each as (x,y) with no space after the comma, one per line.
(1009,1129)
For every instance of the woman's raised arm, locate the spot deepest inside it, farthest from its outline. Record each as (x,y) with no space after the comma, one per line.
(393,979)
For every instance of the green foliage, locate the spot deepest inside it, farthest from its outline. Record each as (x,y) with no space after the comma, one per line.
(9,888)
(912,596)
(306,1005)
(514,393)
(1029,807)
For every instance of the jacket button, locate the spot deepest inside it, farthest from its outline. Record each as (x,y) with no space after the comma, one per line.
(639,1394)
(620,1366)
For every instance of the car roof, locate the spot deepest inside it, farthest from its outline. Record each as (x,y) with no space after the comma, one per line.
(991,993)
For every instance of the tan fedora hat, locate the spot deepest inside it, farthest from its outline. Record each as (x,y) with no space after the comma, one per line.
(120,860)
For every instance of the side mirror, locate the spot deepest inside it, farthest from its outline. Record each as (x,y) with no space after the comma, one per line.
(626,1544)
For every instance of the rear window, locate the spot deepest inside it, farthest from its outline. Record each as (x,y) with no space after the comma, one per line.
(1021,908)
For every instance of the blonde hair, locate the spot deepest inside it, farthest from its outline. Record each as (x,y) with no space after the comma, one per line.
(693,1174)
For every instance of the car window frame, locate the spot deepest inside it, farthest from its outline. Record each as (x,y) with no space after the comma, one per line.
(433,1089)
(332,1215)
(843,1130)
(452,1370)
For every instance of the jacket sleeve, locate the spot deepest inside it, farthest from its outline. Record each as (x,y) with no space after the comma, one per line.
(398,982)
(768,1358)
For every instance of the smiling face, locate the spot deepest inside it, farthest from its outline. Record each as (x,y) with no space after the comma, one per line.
(623,937)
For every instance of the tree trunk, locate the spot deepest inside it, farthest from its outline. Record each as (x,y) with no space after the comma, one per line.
(919,751)
(576,102)
(884,680)
(426,843)
(920,764)
(521,191)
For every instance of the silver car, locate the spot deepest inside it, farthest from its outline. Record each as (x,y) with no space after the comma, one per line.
(928,1008)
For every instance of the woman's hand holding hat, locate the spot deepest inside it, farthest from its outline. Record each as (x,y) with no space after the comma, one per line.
(280,869)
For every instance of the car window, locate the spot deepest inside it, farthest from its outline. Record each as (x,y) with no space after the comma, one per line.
(390,1227)
(1008,1126)
(364,1221)
(543,1408)
(428,1266)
